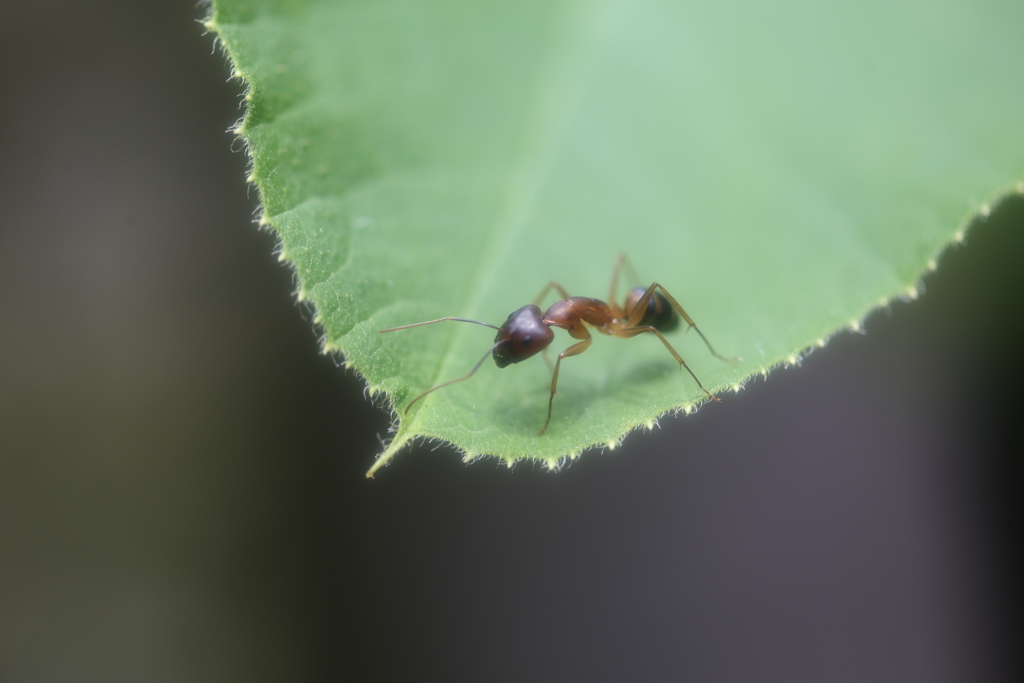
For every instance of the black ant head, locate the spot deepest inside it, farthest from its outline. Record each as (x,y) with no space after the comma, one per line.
(523,335)
(660,313)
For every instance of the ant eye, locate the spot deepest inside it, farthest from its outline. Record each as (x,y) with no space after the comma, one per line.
(527,340)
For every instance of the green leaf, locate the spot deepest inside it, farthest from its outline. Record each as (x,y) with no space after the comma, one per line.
(781,168)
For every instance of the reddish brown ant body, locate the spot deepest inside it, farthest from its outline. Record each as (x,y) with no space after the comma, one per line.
(528,331)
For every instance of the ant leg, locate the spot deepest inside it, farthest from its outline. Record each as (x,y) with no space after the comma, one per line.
(551,285)
(621,260)
(641,308)
(573,350)
(615,278)
(453,381)
(628,332)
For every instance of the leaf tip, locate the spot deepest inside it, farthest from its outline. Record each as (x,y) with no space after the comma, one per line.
(389,452)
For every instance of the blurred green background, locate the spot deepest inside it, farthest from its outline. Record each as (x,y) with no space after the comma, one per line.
(181,473)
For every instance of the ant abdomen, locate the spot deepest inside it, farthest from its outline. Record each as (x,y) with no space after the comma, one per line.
(523,336)
(660,315)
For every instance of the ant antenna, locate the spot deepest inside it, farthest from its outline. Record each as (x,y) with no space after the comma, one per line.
(441,320)
(460,379)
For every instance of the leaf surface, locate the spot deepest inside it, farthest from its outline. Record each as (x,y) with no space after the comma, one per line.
(782,169)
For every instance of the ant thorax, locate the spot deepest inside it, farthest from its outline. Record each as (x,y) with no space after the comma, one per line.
(569,313)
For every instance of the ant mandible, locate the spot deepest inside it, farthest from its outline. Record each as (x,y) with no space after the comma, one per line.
(527,331)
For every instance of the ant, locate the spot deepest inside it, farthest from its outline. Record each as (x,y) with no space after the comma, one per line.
(527,331)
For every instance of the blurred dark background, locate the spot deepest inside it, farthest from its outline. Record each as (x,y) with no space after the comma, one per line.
(181,473)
